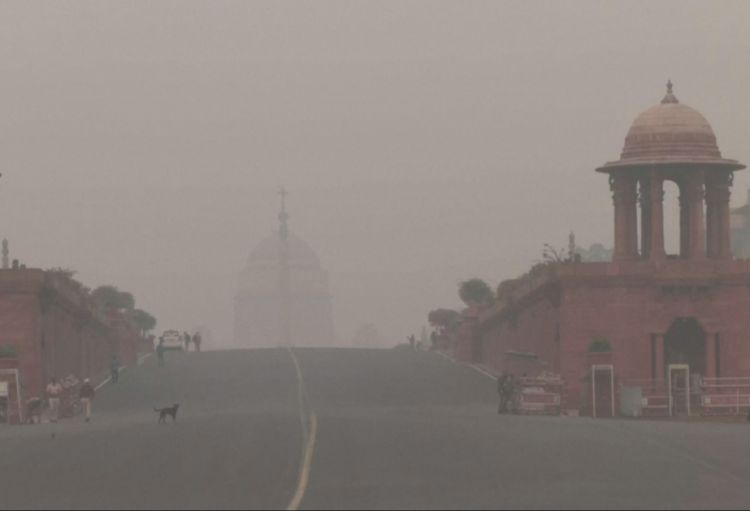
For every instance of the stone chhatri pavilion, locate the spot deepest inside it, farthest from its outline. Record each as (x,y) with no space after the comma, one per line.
(672,321)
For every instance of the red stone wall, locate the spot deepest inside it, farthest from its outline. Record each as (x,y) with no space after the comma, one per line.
(530,329)
(558,319)
(56,332)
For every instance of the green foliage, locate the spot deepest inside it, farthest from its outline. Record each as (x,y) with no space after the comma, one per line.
(443,318)
(600,345)
(109,297)
(475,292)
(143,320)
(8,352)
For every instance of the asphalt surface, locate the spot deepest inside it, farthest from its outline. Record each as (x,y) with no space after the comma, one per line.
(412,430)
(395,430)
(236,443)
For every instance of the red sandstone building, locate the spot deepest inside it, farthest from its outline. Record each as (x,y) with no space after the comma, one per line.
(52,328)
(677,325)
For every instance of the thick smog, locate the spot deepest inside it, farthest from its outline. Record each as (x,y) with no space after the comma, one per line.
(374,255)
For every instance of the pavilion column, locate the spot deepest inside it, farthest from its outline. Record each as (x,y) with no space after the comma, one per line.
(723,220)
(625,197)
(684,220)
(697,221)
(646,217)
(656,213)
(713,226)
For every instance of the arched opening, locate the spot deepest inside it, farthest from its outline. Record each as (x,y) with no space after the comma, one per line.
(685,343)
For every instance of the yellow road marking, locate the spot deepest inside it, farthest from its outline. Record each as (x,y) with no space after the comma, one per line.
(309,434)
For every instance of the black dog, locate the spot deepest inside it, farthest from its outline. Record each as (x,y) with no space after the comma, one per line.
(167,412)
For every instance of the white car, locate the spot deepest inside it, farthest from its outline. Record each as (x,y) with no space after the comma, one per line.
(172,340)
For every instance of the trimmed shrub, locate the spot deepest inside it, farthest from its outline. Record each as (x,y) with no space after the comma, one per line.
(600,345)
(8,352)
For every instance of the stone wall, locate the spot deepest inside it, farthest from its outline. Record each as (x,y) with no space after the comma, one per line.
(555,317)
(57,332)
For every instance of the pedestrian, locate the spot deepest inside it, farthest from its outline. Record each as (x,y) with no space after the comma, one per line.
(434,340)
(502,393)
(115,368)
(510,393)
(186,336)
(197,340)
(413,342)
(86,395)
(54,392)
(160,352)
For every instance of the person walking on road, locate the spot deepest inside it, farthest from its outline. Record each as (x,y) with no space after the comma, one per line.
(510,394)
(54,392)
(160,352)
(86,395)
(413,342)
(186,336)
(502,393)
(115,367)
(197,340)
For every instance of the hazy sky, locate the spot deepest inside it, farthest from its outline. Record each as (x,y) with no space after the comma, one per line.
(141,143)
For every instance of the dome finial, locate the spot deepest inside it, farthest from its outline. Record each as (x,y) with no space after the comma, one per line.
(670,97)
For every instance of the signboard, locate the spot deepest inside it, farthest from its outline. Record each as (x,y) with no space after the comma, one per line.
(3,389)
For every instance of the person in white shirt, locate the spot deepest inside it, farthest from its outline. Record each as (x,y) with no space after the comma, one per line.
(54,391)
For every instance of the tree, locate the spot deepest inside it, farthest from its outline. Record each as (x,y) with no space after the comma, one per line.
(443,318)
(143,320)
(109,297)
(476,292)
(551,254)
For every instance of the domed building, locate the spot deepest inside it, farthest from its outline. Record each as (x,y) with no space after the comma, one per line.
(671,142)
(283,296)
(648,333)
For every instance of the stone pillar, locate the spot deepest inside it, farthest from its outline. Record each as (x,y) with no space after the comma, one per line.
(625,194)
(631,198)
(656,196)
(718,216)
(723,220)
(684,220)
(618,195)
(697,221)
(712,240)
(646,216)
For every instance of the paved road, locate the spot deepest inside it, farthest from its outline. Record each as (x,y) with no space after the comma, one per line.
(419,432)
(236,443)
(396,430)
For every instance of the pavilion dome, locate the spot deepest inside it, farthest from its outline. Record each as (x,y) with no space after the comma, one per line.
(673,134)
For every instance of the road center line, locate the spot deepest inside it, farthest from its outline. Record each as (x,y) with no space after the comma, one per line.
(309,424)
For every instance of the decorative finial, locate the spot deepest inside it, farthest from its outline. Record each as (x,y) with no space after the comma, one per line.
(670,97)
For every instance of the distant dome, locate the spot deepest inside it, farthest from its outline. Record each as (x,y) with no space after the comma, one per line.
(300,253)
(671,133)
(259,300)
